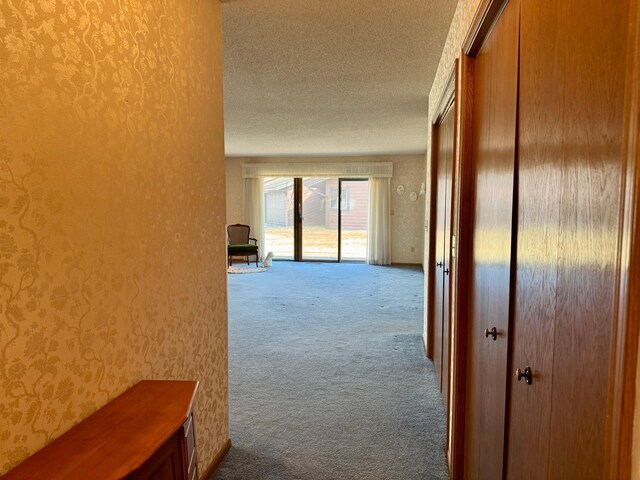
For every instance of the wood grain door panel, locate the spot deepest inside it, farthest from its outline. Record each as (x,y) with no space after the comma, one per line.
(538,221)
(446,148)
(446,283)
(570,160)
(438,313)
(590,204)
(494,154)
(444,162)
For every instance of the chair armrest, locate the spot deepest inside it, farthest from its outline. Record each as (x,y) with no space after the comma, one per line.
(255,240)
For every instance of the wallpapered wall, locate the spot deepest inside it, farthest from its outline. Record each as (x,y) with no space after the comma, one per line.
(407,216)
(112,263)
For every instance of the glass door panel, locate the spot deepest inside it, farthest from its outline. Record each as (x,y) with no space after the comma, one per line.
(278,217)
(355,219)
(320,219)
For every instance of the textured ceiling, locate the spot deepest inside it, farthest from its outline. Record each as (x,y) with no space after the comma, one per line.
(330,77)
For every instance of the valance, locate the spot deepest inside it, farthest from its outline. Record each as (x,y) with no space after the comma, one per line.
(312,169)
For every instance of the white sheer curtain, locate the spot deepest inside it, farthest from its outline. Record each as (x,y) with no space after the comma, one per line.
(254,210)
(379,246)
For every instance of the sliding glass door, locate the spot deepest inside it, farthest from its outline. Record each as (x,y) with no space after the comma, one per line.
(316,219)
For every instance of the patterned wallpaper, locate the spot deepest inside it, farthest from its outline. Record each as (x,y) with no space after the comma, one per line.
(407,230)
(407,218)
(235,190)
(112,263)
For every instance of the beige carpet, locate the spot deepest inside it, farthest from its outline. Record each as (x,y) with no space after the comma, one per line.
(328,378)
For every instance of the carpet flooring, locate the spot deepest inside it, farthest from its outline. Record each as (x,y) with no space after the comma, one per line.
(328,377)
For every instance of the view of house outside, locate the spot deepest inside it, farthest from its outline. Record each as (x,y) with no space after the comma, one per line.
(320,218)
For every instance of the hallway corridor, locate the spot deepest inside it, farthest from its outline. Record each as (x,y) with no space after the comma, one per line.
(328,377)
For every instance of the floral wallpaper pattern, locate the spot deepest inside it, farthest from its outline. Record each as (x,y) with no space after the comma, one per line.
(112,212)
(407,229)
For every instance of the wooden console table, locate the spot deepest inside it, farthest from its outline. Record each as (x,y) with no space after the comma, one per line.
(148,432)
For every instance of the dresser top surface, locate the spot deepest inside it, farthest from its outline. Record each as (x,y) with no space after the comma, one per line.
(118,438)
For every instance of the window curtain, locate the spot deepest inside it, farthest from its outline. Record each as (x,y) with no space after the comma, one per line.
(254,210)
(379,246)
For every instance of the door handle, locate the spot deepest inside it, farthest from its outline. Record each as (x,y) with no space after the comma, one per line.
(491,333)
(446,271)
(439,264)
(527,375)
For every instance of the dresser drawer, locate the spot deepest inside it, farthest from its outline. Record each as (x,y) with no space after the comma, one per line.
(190,447)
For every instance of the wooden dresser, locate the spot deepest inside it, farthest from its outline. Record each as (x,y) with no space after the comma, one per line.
(148,432)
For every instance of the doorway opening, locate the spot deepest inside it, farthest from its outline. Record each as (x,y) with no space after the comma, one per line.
(316,218)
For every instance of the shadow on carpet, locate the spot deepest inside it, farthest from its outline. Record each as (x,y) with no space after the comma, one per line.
(328,377)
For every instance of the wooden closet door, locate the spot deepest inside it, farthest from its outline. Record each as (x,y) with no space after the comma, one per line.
(448,148)
(494,153)
(570,160)
(444,160)
(439,258)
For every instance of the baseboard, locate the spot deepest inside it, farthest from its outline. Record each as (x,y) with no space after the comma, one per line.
(400,264)
(216,461)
